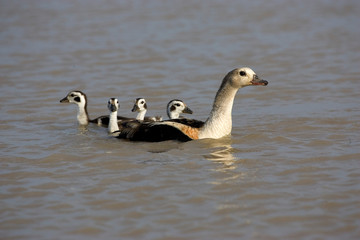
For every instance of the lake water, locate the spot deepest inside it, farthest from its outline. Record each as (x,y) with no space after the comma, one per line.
(290,169)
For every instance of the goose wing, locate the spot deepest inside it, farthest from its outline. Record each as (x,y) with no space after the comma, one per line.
(150,132)
(153,119)
(189,122)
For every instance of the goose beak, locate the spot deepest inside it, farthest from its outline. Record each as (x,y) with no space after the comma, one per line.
(187,110)
(64,100)
(258,81)
(135,108)
(113,108)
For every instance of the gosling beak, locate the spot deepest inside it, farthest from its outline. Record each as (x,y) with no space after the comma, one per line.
(64,100)
(113,108)
(135,108)
(258,81)
(187,110)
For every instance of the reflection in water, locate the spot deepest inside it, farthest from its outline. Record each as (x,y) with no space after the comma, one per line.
(221,152)
(159,147)
(227,165)
(83,129)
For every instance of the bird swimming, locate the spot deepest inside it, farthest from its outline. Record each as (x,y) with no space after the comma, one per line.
(140,106)
(113,106)
(217,125)
(80,99)
(175,107)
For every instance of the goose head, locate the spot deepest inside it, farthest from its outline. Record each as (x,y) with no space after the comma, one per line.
(76,97)
(140,105)
(79,98)
(175,107)
(113,105)
(242,77)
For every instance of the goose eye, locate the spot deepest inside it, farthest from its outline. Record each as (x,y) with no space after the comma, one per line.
(242,73)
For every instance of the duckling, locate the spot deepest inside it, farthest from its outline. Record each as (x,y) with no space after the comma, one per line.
(175,107)
(80,99)
(140,106)
(113,106)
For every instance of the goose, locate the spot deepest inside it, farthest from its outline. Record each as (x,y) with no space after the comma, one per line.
(217,125)
(175,107)
(140,106)
(113,106)
(80,99)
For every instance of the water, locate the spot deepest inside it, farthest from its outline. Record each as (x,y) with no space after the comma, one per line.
(290,169)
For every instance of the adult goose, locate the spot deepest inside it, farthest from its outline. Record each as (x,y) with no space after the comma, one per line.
(80,99)
(140,106)
(218,124)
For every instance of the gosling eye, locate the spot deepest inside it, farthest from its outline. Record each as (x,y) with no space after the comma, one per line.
(177,104)
(242,73)
(142,102)
(72,95)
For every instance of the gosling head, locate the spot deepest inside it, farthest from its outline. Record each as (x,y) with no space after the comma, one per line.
(76,97)
(140,105)
(175,107)
(113,104)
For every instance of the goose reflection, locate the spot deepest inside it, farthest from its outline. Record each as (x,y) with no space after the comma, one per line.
(227,167)
(221,152)
(83,130)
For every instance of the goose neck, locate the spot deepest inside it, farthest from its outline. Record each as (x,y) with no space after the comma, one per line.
(82,115)
(113,125)
(219,123)
(173,114)
(141,115)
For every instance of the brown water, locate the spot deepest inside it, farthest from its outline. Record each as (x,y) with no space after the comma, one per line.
(290,170)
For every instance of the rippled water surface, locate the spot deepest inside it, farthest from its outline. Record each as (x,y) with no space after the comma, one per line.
(290,169)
